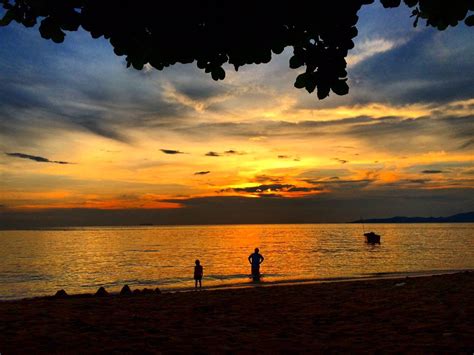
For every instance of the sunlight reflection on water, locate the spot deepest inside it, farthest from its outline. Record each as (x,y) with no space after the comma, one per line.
(82,259)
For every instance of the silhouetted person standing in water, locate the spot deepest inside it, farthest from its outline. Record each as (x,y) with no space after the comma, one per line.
(255,260)
(198,271)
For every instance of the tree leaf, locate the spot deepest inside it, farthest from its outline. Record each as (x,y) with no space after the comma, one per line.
(323,91)
(300,81)
(340,87)
(469,21)
(218,73)
(296,62)
(5,21)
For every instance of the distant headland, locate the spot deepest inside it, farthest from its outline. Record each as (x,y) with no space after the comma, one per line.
(467,217)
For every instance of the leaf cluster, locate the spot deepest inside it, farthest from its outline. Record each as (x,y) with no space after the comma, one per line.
(438,13)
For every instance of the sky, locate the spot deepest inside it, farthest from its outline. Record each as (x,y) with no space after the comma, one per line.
(86,141)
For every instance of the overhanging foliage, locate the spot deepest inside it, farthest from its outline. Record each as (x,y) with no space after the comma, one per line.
(212,32)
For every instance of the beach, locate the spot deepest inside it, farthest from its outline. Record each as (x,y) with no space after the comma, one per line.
(415,314)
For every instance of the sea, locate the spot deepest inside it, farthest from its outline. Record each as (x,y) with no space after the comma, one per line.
(80,260)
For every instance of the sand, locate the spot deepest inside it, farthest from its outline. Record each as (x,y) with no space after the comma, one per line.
(417,315)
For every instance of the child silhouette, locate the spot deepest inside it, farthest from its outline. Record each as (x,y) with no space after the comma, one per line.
(198,271)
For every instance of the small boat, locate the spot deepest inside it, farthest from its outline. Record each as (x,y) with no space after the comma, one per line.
(372,238)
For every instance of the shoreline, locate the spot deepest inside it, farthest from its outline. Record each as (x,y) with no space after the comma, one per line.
(428,314)
(139,226)
(310,281)
(272,283)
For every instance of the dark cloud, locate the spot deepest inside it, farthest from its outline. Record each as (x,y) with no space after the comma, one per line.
(461,128)
(16,95)
(200,91)
(267,128)
(392,134)
(407,183)
(432,171)
(426,184)
(66,98)
(403,135)
(271,188)
(304,189)
(202,172)
(441,167)
(36,158)
(467,144)
(322,175)
(416,181)
(270,195)
(266,178)
(428,67)
(96,123)
(259,188)
(234,152)
(337,184)
(288,157)
(227,152)
(431,67)
(171,151)
(76,108)
(342,161)
(402,128)
(337,180)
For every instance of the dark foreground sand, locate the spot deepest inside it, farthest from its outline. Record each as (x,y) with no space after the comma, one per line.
(426,314)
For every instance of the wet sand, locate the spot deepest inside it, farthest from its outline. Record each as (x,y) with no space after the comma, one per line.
(422,314)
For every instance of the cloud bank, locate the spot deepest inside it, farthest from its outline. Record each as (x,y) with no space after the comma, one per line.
(36,158)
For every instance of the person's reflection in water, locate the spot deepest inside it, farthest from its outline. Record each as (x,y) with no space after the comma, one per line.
(255,259)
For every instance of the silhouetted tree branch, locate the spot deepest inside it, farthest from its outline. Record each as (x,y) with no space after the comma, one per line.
(213,32)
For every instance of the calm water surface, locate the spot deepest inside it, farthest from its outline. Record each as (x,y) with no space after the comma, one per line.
(34,263)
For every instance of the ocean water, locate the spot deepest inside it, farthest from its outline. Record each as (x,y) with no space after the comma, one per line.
(80,260)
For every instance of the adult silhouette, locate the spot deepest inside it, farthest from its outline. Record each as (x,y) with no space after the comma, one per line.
(255,259)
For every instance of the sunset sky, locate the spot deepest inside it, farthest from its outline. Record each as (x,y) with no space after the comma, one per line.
(84,140)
